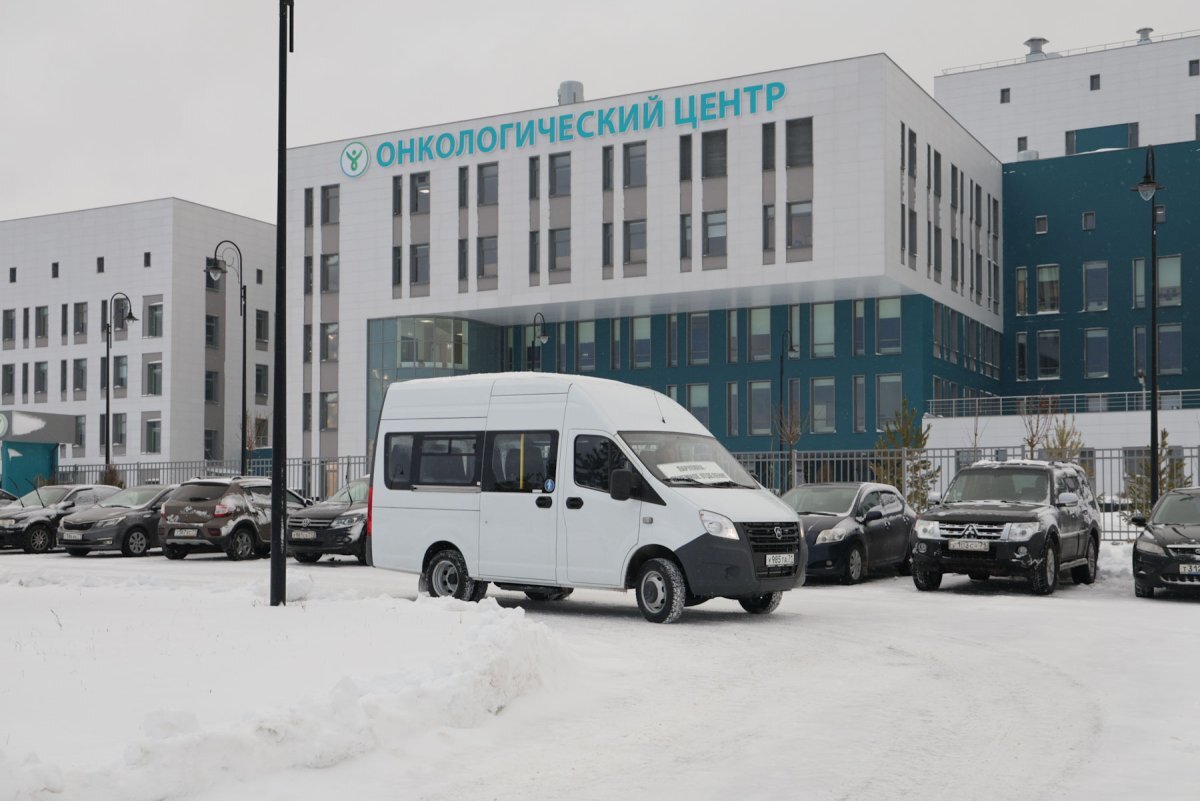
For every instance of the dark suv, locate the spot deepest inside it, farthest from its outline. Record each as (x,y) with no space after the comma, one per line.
(30,522)
(220,514)
(331,527)
(1022,518)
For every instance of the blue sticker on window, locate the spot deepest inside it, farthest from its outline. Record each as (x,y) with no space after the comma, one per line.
(549,485)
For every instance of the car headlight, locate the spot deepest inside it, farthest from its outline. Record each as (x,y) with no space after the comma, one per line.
(1147,544)
(1023,531)
(108,523)
(831,535)
(928,529)
(718,525)
(346,521)
(8,522)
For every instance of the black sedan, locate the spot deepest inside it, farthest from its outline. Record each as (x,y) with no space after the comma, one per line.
(334,526)
(853,528)
(126,521)
(1167,554)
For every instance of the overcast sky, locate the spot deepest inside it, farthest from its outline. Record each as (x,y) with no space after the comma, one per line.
(111,102)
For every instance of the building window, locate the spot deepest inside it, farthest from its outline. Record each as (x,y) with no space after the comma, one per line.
(330,272)
(397,195)
(606,168)
(1160,214)
(463,186)
(697,402)
(329,342)
(1041,224)
(418,264)
(560,248)
(761,405)
(1022,356)
(888,398)
(714,233)
(1047,289)
(799,143)
(118,425)
(329,411)
(685,236)
(1193,68)
(606,244)
(154,378)
(1049,361)
(672,340)
(306,412)
(860,403)
(697,338)
(41,322)
(822,403)
(8,379)
(120,372)
(585,346)
(463,259)
(1022,280)
(262,327)
(1139,351)
(1170,290)
(1170,349)
(397,266)
(211,377)
(641,356)
(614,350)
(731,336)
(54,269)
(212,331)
(713,154)
(1089,221)
(1022,144)
(635,164)
(420,191)
(937,174)
(489,184)
(152,439)
(800,228)
(308,207)
(81,315)
(1095,353)
(768,223)
(258,277)
(308,275)
(534,177)
(306,345)
(823,331)
(860,327)
(1005,94)
(488,255)
(261,382)
(732,410)
(1139,283)
(635,241)
(768,146)
(887,326)
(1095,285)
(40,375)
(685,157)
(331,213)
(535,265)
(99,264)
(210,444)
(760,335)
(1094,83)
(560,174)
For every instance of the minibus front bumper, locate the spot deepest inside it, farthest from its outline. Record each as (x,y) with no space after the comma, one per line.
(748,566)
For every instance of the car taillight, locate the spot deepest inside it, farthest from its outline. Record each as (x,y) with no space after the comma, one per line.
(222,510)
(370,508)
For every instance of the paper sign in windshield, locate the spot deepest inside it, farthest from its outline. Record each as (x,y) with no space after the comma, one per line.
(704,472)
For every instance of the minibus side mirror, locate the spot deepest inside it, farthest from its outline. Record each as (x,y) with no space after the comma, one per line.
(620,485)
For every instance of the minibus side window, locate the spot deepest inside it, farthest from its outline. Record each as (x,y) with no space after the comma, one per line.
(448,459)
(397,462)
(595,459)
(521,461)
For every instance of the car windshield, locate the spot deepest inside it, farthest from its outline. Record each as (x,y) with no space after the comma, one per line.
(1009,485)
(46,496)
(354,492)
(194,493)
(824,500)
(129,498)
(1177,509)
(687,459)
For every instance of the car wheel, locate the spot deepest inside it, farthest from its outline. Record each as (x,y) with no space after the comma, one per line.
(307,558)
(661,591)
(761,604)
(37,539)
(1142,590)
(77,551)
(1086,574)
(1045,576)
(926,580)
(550,594)
(979,576)
(174,551)
(135,543)
(241,544)
(448,578)
(856,565)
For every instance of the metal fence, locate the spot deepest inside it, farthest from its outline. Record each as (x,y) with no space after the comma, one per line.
(1080,403)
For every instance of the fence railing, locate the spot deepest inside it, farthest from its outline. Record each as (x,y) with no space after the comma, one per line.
(1020,405)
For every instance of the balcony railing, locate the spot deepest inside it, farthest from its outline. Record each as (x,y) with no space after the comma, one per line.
(1083,403)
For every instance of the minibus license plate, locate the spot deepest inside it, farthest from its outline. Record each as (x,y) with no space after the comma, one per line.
(185,532)
(1189,570)
(72,535)
(780,559)
(304,535)
(968,545)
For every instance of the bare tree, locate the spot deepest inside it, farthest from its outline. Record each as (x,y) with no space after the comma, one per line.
(1037,417)
(789,427)
(1064,443)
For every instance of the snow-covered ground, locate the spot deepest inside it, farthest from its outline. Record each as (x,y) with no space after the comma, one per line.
(146,679)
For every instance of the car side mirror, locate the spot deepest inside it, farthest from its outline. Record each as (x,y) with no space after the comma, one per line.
(873,514)
(1138,520)
(1068,499)
(935,498)
(308,501)
(67,505)
(620,485)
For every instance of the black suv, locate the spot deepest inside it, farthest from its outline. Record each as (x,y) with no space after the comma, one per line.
(331,527)
(220,514)
(31,521)
(1018,518)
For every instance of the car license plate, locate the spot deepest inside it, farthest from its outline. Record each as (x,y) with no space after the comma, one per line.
(304,535)
(71,535)
(1189,570)
(780,559)
(184,532)
(968,545)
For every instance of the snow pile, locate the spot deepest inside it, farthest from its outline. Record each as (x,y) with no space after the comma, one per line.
(1116,561)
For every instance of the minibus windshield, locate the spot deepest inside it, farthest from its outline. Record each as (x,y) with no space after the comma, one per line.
(687,459)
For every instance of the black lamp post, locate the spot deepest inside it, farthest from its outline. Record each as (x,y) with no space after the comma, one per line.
(540,337)
(108,379)
(786,350)
(1147,188)
(215,267)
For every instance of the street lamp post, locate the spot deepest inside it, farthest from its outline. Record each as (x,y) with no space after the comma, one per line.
(108,379)
(540,337)
(215,268)
(1147,188)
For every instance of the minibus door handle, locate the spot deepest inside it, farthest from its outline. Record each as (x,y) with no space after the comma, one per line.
(574,503)
(544,501)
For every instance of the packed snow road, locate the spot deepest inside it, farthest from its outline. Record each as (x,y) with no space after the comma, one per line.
(147,679)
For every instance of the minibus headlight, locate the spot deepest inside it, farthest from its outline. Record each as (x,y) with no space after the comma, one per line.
(718,525)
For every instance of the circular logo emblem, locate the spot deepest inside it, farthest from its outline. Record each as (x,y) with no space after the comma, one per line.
(355,159)
(549,485)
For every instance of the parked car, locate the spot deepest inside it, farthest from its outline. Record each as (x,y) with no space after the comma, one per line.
(126,521)
(334,526)
(1167,554)
(6,497)
(220,514)
(31,522)
(853,528)
(1023,518)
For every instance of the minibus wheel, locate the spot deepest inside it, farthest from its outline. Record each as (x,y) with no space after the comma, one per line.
(448,578)
(661,591)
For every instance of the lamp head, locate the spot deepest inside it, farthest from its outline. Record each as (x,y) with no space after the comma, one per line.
(543,338)
(215,269)
(1147,187)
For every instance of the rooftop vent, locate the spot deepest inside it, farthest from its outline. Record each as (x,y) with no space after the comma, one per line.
(1144,35)
(1027,155)
(1035,48)
(570,92)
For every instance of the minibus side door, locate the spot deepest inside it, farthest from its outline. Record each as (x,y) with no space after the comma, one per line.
(597,532)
